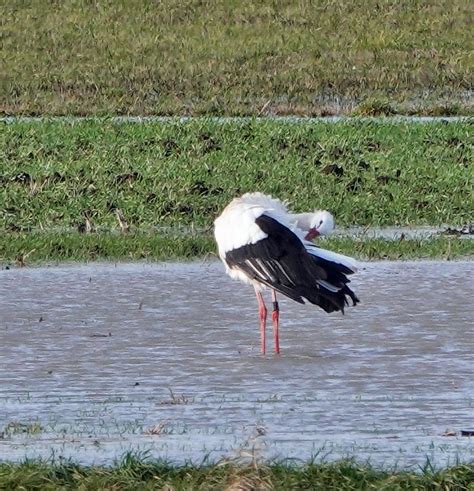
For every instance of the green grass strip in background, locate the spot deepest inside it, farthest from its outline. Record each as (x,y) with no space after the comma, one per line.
(24,249)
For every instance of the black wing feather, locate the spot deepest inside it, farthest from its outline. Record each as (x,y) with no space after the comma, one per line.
(281,262)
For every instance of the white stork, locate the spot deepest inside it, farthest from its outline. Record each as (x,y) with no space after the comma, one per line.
(262,244)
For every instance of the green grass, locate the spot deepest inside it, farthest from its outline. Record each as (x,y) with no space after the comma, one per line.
(60,174)
(133,473)
(47,247)
(198,58)
(168,182)
(25,249)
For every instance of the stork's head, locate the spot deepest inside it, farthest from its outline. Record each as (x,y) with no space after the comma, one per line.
(322,223)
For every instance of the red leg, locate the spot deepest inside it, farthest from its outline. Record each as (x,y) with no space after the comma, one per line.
(276,322)
(262,311)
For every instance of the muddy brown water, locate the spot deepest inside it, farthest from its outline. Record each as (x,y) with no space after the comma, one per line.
(99,359)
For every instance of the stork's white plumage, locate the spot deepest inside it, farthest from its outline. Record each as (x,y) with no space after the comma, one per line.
(261,243)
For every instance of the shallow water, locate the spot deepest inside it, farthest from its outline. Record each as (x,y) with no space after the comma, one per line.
(165,358)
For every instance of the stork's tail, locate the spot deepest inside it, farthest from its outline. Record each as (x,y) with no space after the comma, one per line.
(333,292)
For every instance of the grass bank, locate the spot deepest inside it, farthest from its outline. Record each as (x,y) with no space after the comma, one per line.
(230,58)
(133,473)
(25,249)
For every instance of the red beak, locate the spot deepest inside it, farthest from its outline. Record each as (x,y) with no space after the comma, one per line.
(312,233)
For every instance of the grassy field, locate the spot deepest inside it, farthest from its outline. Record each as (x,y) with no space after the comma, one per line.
(153,190)
(231,58)
(58,174)
(133,473)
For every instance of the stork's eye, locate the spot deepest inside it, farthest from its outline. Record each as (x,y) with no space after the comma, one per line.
(320,223)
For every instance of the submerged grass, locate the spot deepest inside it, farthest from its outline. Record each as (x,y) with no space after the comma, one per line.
(199,57)
(136,473)
(24,249)
(103,174)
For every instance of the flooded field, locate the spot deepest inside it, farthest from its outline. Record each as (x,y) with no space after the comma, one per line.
(99,359)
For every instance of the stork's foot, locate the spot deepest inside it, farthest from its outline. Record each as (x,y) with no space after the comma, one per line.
(262,312)
(276,325)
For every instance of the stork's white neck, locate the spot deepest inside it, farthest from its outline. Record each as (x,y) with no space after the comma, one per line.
(302,220)
(320,220)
